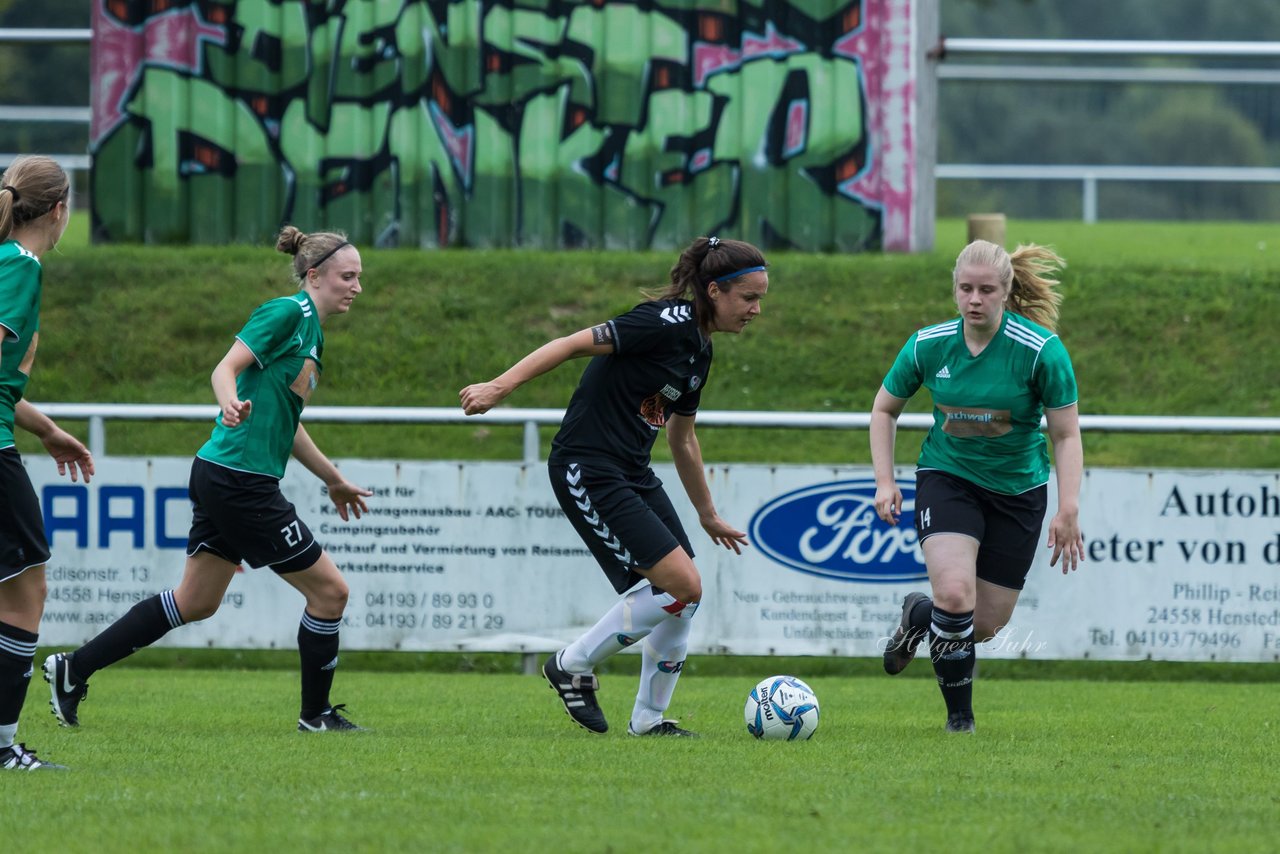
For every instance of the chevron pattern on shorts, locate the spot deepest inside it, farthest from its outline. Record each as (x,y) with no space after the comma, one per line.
(573,477)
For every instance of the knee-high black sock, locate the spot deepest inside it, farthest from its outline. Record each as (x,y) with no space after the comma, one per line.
(17,649)
(318,654)
(952,651)
(141,626)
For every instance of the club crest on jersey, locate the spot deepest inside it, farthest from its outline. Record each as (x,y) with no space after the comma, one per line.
(676,314)
(694,382)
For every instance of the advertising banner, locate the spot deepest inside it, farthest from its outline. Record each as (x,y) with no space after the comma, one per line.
(1181,564)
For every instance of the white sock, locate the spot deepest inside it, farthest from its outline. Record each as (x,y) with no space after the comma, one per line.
(663,659)
(628,621)
(8,733)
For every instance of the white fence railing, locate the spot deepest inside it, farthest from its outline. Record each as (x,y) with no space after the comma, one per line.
(97,414)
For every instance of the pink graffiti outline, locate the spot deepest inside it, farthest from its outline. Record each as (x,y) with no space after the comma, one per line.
(460,143)
(770,44)
(884,57)
(120,54)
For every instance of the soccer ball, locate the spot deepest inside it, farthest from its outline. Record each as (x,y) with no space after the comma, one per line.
(782,708)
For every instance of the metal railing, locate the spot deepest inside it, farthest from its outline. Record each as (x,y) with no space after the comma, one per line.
(1089,176)
(97,414)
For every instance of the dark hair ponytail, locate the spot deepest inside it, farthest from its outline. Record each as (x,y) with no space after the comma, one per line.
(707,260)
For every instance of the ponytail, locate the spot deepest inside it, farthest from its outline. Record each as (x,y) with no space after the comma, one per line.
(1028,275)
(707,260)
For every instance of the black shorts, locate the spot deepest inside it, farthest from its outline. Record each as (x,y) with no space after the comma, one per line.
(627,522)
(22,541)
(240,516)
(1007,527)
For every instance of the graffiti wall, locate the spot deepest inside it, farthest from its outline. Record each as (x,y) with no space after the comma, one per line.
(627,124)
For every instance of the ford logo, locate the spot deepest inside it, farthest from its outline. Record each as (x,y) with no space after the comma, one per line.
(832,530)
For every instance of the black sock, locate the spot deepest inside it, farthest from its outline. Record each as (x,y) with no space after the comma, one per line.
(318,655)
(17,651)
(952,651)
(141,626)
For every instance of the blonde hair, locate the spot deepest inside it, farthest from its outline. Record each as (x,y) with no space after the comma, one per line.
(309,251)
(1028,274)
(30,188)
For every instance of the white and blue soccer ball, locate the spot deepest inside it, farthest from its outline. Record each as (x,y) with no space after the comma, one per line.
(782,708)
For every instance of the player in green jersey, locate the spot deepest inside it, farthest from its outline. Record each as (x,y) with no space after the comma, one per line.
(261,385)
(981,480)
(33,215)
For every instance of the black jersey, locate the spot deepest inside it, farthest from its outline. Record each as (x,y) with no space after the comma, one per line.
(659,366)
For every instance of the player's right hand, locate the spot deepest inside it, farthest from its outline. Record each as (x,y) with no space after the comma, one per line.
(889,503)
(235,412)
(480,397)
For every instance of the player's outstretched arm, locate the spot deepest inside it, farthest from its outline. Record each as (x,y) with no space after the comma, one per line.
(884,432)
(345,495)
(686,453)
(481,397)
(67,451)
(237,360)
(1065,536)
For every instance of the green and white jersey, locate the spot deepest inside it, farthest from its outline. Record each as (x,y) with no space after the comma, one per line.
(987,408)
(287,343)
(20,279)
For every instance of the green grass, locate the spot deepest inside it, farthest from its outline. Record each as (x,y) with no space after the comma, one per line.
(1160,319)
(202,760)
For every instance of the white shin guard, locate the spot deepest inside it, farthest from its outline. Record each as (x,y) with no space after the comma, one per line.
(630,620)
(663,658)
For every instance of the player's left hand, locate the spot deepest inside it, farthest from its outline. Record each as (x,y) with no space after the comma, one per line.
(724,534)
(349,499)
(69,453)
(1066,540)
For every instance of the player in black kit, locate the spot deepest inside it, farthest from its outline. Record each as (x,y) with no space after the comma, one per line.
(648,370)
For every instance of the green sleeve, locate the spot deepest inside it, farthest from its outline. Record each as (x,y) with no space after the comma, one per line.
(904,379)
(1054,377)
(270,328)
(19,284)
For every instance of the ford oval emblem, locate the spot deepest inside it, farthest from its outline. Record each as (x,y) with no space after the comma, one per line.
(831,530)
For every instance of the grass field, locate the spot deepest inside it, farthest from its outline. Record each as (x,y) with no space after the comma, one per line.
(207,761)
(1077,756)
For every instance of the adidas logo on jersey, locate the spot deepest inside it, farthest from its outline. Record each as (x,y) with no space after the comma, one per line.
(676,313)
(943,374)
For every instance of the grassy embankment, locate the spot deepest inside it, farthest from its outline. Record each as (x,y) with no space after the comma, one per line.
(1170,319)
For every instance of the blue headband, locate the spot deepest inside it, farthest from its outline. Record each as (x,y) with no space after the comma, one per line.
(734,275)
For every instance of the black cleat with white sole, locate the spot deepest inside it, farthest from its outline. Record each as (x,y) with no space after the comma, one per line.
(16,757)
(65,691)
(578,693)
(665,728)
(329,721)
